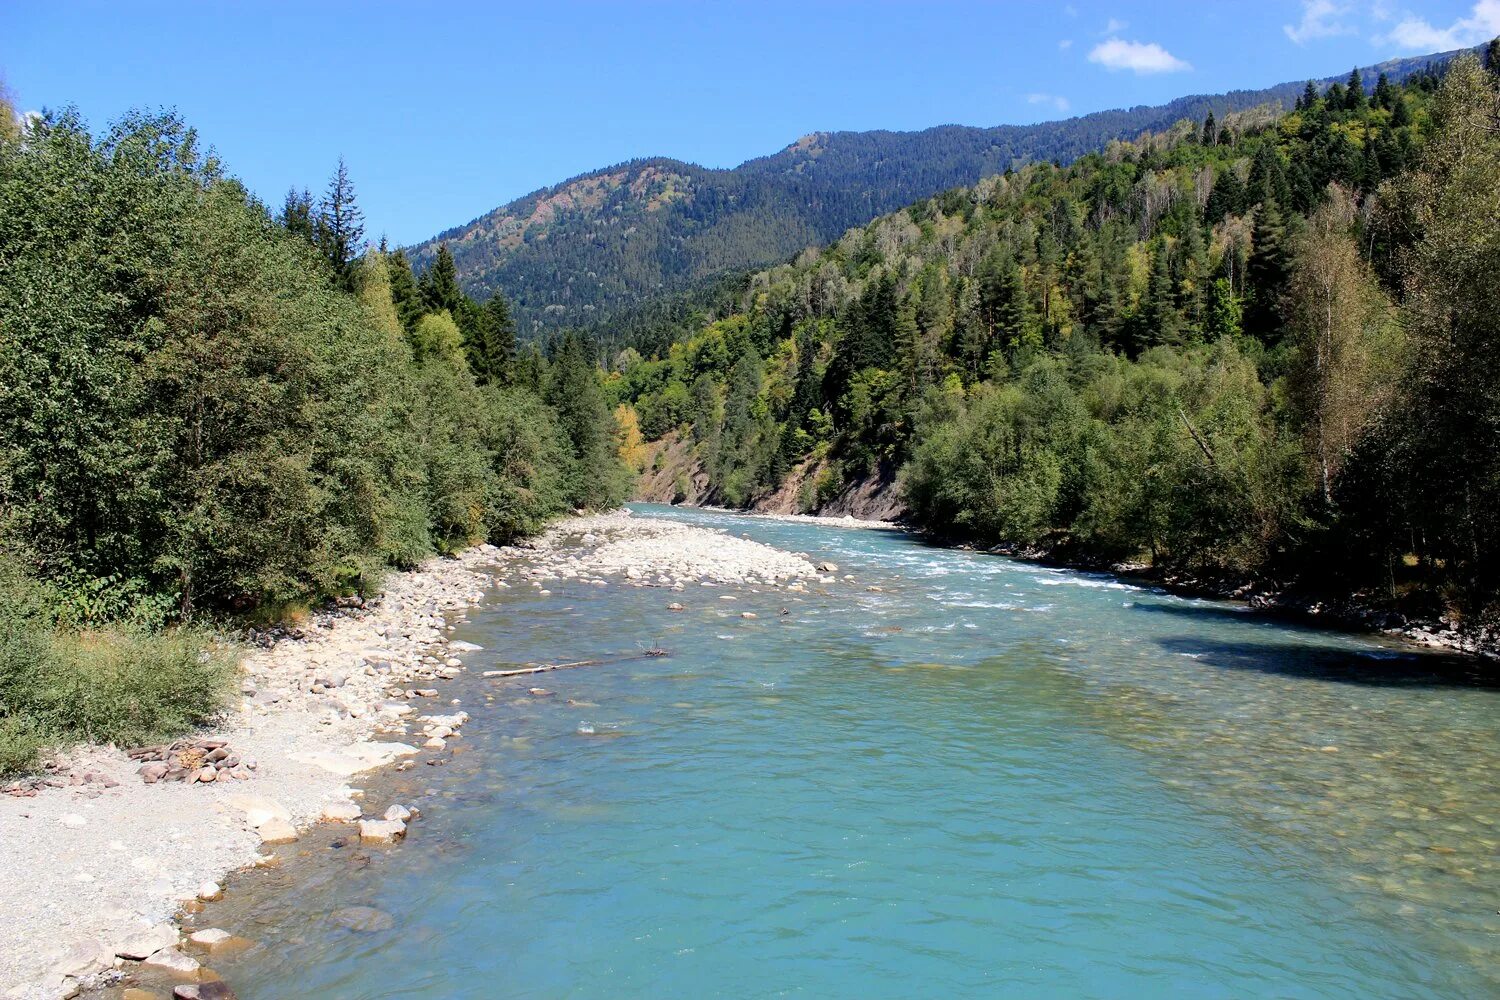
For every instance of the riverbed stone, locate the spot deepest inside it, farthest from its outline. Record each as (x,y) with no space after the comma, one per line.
(364,919)
(341,812)
(210,891)
(174,960)
(277,831)
(381,831)
(147,942)
(209,937)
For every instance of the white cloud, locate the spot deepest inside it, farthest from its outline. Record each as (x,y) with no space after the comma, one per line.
(1418,34)
(1065,44)
(1054,100)
(1114,26)
(1320,19)
(1138,57)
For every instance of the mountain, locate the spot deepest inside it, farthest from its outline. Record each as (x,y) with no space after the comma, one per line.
(582,252)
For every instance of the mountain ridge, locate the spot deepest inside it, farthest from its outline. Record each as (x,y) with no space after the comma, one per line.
(597,244)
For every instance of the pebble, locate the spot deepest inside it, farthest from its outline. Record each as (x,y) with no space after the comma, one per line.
(210,891)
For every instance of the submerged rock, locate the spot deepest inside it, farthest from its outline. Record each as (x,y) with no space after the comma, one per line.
(364,919)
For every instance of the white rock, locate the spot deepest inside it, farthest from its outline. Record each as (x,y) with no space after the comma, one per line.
(381,831)
(341,812)
(276,831)
(174,960)
(398,812)
(210,891)
(210,937)
(148,943)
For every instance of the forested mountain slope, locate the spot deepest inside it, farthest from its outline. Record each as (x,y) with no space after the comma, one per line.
(579,253)
(1261,348)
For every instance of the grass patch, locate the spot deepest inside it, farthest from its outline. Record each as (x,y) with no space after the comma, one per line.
(118,684)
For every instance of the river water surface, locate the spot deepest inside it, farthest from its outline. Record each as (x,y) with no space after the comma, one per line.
(985,778)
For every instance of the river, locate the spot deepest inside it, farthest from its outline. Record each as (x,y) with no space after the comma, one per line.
(983,778)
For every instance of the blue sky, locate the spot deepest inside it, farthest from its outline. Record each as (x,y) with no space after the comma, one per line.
(444,111)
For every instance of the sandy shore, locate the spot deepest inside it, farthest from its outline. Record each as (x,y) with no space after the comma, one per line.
(98,863)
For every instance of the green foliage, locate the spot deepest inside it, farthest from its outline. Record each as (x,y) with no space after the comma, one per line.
(1187,348)
(626,238)
(195,413)
(123,684)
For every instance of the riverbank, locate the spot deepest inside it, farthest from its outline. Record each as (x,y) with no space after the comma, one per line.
(107,849)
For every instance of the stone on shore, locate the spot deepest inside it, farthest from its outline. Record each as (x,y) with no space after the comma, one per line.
(148,943)
(174,960)
(276,831)
(341,812)
(210,891)
(209,937)
(381,831)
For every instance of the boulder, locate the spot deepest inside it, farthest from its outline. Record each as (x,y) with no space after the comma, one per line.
(210,891)
(398,813)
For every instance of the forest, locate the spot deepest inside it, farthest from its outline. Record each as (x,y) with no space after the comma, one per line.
(213,414)
(601,249)
(1256,348)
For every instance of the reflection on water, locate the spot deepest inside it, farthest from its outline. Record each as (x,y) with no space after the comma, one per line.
(986,777)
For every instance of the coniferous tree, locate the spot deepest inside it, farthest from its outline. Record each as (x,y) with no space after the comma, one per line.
(1354,96)
(404,292)
(340,225)
(297,214)
(1210,130)
(1266,272)
(439,283)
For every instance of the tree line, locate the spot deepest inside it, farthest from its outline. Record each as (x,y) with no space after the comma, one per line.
(1261,345)
(212,410)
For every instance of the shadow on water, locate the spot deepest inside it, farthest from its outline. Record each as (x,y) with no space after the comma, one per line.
(1377,668)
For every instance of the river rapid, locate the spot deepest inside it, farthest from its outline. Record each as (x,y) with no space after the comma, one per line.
(953,775)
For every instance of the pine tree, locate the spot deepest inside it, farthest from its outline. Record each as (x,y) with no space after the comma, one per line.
(1354,96)
(1385,94)
(1159,314)
(439,283)
(1210,130)
(1266,273)
(404,292)
(1267,180)
(297,214)
(492,343)
(1309,99)
(340,225)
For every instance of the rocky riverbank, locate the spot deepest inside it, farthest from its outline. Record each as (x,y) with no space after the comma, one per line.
(106,846)
(104,850)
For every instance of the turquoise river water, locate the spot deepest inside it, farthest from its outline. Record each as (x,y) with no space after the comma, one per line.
(986,778)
